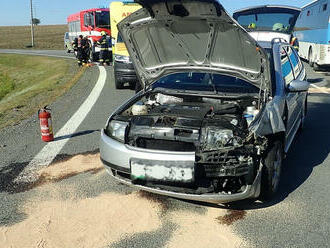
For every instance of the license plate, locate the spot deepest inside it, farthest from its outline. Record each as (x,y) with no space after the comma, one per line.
(164,171)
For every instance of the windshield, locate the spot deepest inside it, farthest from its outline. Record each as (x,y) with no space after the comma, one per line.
(119,39)
(102,19)
(198,81)
(280,20)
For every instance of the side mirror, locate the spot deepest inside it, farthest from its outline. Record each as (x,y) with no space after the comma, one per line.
(298,86)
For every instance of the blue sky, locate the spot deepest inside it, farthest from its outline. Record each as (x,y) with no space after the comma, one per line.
(17,12)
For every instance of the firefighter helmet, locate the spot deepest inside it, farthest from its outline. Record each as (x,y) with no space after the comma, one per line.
(252,25)
(103,33)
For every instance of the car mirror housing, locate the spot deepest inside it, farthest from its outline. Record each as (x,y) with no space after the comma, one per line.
(298,86)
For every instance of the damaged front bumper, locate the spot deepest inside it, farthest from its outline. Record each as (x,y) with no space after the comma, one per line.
(121,156)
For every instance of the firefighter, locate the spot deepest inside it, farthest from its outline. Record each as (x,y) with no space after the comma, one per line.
(75,44)
(85,49)
(104,53)
(278,27)
(294,42)
(252,25)
(79,50)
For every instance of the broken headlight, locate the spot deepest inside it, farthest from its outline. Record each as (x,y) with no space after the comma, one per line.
(219,138)
(117,130)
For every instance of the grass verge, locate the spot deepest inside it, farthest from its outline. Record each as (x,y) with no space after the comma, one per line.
(28,83)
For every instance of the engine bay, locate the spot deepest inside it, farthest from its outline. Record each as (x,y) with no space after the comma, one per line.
(226,156)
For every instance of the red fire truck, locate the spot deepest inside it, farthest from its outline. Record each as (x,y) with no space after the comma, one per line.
(90,23)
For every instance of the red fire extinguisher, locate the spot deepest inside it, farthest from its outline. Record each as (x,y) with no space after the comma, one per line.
(46,128)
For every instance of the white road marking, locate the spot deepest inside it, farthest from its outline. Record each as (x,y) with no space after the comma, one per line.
(52,149)
(319,88)
(39,54)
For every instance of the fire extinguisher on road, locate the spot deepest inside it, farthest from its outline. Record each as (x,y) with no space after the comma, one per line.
(46,128)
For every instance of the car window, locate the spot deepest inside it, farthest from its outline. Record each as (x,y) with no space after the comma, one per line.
(268,19)
(295,62)
(287,72)
(119,39)
(198,81)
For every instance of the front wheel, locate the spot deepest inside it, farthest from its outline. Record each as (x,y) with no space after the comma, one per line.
(119,84)
(310,57)
(271,172)
(138,86)
(316,67)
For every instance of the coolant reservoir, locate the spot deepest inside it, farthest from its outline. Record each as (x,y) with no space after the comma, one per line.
(139,109)
(250,113)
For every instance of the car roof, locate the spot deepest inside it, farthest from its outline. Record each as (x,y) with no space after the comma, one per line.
(269,6)
(265,44)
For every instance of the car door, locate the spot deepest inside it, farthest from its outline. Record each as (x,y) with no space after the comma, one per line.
(291,97)
(299,74)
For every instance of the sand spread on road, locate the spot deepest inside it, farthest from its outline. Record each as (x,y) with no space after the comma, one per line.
(202,231)
(71,167)
(100,221)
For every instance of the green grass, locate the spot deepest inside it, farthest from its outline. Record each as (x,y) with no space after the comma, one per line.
(28,83)
(46,37)
(6,85)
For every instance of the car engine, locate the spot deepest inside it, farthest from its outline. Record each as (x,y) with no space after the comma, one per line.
(215,129)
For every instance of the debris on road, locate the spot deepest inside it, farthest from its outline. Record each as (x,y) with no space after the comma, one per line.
(231,217)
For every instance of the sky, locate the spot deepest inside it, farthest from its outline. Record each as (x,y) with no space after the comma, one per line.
(17,12)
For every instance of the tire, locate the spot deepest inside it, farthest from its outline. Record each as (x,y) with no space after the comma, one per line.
(310,56)
(138,86)
(119,85)
(271,172)
(316,67)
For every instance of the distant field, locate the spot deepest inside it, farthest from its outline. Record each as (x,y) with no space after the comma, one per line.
(46,36)
(30,82)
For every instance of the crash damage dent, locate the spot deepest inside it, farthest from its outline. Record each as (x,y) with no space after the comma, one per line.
(230,166)
(270,121)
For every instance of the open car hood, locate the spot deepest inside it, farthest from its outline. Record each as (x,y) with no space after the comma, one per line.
(172,36)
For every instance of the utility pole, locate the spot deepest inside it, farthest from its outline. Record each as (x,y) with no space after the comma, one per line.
(32,28)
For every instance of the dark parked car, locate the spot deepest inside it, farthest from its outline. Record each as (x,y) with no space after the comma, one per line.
(218,110)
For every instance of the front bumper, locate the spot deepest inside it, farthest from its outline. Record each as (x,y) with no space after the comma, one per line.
(124,72)
(117,156)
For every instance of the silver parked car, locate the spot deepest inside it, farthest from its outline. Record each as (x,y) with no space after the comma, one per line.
(67,43)
(218,110)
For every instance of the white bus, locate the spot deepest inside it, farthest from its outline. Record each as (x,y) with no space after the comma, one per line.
(264,23)
(313,32)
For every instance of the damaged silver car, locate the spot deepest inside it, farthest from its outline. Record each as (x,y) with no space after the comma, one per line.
(218,110)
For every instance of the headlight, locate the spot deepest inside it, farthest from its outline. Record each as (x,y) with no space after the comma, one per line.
(218,138)
(123,59)
(117,130)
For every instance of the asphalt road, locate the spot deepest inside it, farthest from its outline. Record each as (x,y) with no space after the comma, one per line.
(298,217)
(49,53)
